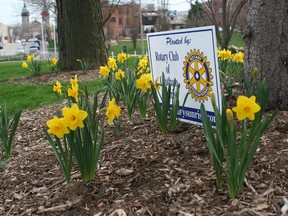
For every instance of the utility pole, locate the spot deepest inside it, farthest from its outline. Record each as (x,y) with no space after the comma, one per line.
(141,28)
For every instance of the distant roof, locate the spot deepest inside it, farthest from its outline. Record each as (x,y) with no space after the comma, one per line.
(25,11)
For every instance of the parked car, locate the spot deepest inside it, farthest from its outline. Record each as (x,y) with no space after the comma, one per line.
(33,49)
(18,41)
(20,51)
(1,45)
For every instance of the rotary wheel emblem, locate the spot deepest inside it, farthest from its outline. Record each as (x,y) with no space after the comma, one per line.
(197,74)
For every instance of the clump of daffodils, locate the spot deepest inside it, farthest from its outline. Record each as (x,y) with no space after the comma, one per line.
(78,130)
(238,57)
(32,65)
(226,147)
(54,65)
(224,54)
(73,90)
(121,57)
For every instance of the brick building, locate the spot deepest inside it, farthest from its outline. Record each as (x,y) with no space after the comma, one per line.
(5,34)
(123,20)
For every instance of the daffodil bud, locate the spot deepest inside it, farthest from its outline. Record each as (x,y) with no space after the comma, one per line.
(229,115)
(255,73)
(213,100)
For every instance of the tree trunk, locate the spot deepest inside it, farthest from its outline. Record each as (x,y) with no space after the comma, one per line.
(266,47)
(81,35)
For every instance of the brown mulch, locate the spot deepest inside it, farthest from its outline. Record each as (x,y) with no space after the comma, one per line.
(141,171)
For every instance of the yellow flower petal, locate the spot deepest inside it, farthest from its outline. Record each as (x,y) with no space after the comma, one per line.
(74,117)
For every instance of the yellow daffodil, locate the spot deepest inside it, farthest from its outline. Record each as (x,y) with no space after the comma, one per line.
(74,117)
(30,57)
(104,71)
(238,57)
(73,92)
(57,87)
(224,54)
(156,84)
(119,74)
(246,108)
(143,82)
(74,81)
(57,126)
(121,57)
(112,63)
(143,63)
(54,61)
(112,111)
(24,65)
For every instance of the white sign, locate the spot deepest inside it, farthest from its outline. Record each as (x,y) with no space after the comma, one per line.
(190,57)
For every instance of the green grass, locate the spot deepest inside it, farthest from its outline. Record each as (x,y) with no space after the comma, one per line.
(13,58)
(32,96)
(118,48)
(237,40)
(9,70)
(26,96)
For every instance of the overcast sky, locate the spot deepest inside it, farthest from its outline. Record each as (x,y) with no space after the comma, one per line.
(10,9)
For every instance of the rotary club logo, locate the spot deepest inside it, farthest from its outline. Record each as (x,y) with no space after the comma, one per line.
(197,74)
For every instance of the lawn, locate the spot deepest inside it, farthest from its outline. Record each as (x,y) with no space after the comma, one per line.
(20,94)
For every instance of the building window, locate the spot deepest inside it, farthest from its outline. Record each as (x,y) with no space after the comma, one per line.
(220,10)
(113,19)
(120,21)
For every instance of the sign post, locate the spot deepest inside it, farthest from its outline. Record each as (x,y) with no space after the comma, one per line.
(190,57)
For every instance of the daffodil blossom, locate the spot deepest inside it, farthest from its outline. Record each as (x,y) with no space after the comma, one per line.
(24,65)
(57,87)
(73,92)
(112,111)
(57,126)
(74,117)
(112,63)
(119,75)
(104,71)
(246,108)
(143,82)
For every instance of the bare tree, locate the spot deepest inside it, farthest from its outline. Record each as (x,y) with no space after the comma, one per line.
(163,21)
(17,31)
(229,13)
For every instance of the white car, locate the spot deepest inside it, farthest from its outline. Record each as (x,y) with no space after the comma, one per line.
(20,51)
(33,49)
